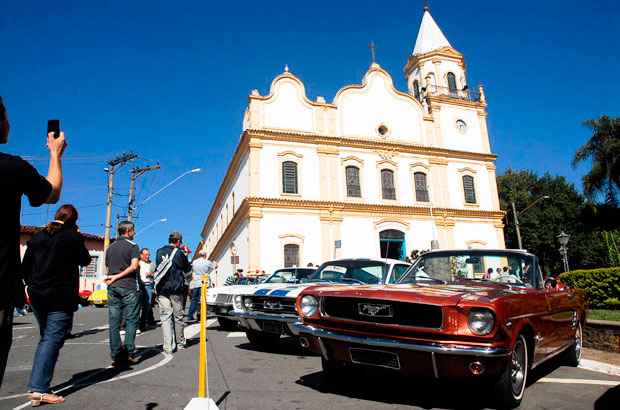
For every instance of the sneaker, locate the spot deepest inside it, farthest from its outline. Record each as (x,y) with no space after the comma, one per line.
(122,332)
(138,332)
(167,352)
(181,346)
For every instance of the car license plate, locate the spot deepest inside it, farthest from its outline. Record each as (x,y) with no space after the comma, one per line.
(374,357)
(223,310)
(272,327)
(97,301)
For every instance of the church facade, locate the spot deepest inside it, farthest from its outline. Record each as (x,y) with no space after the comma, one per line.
(375,173)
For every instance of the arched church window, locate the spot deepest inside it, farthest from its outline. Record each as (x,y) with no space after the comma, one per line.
(421,191)
(416,89)
(452,85)
(387,184)
(289,177)
(353,181)
(468,187)
(291,255)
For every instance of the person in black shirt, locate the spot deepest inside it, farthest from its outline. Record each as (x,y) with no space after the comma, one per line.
(51,272)
(121,261)
(18,177)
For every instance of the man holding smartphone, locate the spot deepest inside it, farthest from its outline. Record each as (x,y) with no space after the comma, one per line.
(18,177)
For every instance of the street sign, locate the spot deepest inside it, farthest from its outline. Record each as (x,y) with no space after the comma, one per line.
(234,259)
(233,250)
(337,244)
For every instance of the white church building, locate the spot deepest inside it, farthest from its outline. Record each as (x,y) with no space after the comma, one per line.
(375,173)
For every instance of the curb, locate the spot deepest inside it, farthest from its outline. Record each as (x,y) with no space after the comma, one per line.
(600,367)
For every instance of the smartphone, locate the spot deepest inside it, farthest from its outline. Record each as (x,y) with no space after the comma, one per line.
(53,126)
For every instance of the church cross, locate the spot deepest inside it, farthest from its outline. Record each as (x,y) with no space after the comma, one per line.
(372,48)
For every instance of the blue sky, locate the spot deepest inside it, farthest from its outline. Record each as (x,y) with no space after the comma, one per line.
(170,80)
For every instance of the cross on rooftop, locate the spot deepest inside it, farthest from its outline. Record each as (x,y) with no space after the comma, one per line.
(372,50)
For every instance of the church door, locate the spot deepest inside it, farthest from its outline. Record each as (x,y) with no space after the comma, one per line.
(392,244)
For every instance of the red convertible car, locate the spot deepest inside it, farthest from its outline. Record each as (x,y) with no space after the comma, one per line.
(450,315)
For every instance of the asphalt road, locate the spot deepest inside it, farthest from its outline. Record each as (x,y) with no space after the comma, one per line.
(242,377)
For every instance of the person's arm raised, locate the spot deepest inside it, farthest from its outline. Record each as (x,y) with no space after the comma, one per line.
(57,148)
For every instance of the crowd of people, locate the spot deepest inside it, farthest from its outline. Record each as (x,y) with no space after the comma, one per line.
(50,269)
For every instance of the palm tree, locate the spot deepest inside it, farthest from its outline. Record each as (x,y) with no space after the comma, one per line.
(604,149)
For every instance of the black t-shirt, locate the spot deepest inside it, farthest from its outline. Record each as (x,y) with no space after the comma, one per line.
(17,177)
(50,268)
(118,258)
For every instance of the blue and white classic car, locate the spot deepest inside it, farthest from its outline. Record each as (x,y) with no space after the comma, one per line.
(267,311)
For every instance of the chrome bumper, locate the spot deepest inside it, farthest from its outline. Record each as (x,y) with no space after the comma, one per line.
(249,320)
(219,309)
(453,349)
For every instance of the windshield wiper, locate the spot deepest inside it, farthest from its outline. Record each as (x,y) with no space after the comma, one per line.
(352,280)
(443,282)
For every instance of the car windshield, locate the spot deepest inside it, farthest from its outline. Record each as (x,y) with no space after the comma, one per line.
(351,271)
(289,275)
(500,267)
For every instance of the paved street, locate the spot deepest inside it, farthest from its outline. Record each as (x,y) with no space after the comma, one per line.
(241,377)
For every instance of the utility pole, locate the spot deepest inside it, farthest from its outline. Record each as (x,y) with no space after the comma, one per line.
(119,160)
(135,173)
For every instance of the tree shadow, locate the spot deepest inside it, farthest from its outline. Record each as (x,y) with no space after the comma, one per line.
(79,381)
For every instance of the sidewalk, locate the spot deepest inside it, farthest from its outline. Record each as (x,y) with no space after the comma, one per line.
(600,361)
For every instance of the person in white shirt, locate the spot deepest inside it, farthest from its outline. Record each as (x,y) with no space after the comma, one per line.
(147,267)
(201,266)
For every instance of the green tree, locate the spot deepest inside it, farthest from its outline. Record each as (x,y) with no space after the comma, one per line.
(565,210)
(603,148)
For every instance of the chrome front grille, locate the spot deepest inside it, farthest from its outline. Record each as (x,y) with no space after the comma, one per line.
(224,299)
(382,311)
(271,305)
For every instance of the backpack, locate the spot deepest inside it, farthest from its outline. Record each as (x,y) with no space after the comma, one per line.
(163,267)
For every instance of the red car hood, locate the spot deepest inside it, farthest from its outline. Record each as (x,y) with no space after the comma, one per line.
(444,295)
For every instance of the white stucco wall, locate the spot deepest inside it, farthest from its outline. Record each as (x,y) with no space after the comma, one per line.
(471,139)
(481,182)
(287,110)
(271,170)
(362,110)
(225,268)
(287,224)
(467,231)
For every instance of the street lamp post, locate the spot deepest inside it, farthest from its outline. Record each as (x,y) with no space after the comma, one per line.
(149,225)
(193,171)
(563,239)
(516,215)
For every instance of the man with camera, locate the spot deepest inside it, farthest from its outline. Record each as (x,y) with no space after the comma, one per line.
(18,177)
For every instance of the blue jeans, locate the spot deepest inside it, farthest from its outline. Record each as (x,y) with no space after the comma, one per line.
(53,329)
(194,302)
(146,313)
(123,302)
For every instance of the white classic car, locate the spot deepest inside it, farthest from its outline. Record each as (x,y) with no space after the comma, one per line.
(219,300)
(267,311)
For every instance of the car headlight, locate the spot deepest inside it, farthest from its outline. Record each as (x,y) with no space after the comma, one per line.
(247,302)
(481,321)
(308,305)
(238,302)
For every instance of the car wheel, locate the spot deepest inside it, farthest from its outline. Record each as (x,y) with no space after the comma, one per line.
(262,339)
(226,324)
(336,370)
(510,387)
(573,355)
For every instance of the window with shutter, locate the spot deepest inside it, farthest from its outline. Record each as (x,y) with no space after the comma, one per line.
(387,184)
(468,187)
(289,177)
(421,192)
(452,85)
(92,270)
(291,255)
(352,175)
(416,89)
